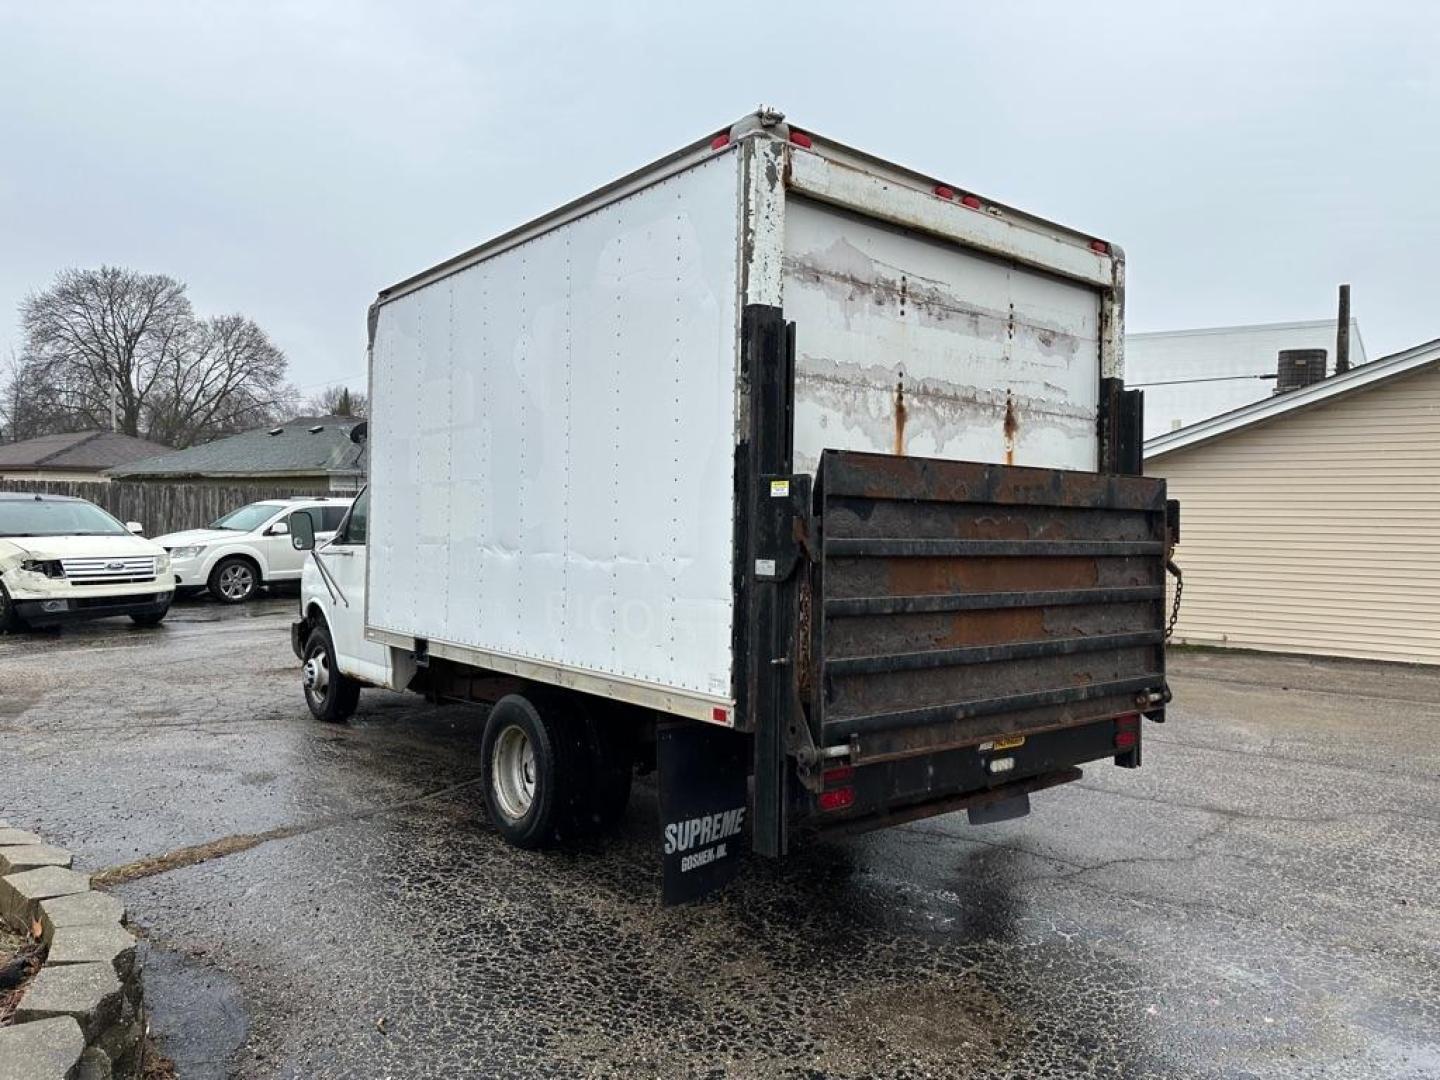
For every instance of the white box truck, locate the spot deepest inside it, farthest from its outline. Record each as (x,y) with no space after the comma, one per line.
(807,478)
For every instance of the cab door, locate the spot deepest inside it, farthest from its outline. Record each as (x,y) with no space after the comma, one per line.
(343,560)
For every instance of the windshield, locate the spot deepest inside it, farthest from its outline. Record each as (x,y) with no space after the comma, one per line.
(43,517)
(248,517)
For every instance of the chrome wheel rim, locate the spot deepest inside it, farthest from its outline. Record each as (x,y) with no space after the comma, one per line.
(317,675)
(512,772)
(236,581)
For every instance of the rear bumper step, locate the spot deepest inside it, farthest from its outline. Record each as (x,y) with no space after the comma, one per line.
(950,804)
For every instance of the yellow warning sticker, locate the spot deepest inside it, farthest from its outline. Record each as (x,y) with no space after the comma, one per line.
(1010,742)
(779,489)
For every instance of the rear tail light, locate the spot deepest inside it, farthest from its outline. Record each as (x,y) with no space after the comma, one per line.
(1127,731)
(1100,247)
(837,799)
(720,142)
(799,138)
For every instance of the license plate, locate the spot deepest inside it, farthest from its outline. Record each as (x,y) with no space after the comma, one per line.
(1010,742)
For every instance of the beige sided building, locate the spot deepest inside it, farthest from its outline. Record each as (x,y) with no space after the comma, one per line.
(1310,521)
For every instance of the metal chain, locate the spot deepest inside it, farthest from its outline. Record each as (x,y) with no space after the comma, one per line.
(1179,588)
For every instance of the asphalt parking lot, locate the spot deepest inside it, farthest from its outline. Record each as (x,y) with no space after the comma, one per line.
(1257,901)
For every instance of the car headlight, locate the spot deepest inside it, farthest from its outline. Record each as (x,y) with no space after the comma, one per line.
(162,564)
(187,552)
(48,567)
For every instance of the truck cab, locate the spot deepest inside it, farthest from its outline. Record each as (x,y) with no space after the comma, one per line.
(329,636)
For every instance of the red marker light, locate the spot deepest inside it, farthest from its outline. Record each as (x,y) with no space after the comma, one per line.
(838,799)
(944,192)
(720,715)
(720,142)
(1100,247)
(972,201)
(1124,740)
(799,138)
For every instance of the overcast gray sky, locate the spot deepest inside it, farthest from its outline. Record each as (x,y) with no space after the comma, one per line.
(288,159)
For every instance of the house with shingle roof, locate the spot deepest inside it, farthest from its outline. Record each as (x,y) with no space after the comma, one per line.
(72,456)
(307,455)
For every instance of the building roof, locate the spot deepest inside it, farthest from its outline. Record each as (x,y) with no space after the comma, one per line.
(77,451)
(1326,390)
(305,446)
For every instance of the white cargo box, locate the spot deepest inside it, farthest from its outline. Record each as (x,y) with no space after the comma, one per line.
(556,413)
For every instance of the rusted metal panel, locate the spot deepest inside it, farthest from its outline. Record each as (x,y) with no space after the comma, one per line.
(964,600)
(865,189)
(911,345)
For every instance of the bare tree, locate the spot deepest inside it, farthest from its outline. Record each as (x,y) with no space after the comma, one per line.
(28,406)
(337,401)
(115,348)
(233,378)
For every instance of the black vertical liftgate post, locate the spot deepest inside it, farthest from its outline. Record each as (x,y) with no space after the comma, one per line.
(773,507)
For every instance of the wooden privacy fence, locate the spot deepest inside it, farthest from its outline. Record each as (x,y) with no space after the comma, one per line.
(160,507)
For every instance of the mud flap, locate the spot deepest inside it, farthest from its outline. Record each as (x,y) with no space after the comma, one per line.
(704,820)
(1017,806)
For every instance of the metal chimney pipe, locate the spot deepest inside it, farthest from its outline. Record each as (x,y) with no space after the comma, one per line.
(1342,333)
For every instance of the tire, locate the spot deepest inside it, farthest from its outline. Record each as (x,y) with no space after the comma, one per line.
(154,618)
(9,621)
(532,757)
(234,580)
(331,695)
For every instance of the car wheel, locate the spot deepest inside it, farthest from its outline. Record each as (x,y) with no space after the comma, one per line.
(331,694)
(9,621)
(531,758)
(234,580)
(153,618)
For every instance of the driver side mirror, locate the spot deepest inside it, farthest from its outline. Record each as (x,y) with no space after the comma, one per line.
(302,530)
(135,528)
(280,528)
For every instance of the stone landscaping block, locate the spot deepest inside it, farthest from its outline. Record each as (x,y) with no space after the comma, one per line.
(21,893)
(11,837)
(84,909)
(88,992)
(31,856)
(44,1050)
(106,943)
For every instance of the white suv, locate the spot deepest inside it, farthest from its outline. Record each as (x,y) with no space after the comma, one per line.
(248,547)
(63,559)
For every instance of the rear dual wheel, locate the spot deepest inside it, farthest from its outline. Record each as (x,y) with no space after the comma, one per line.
(552,770)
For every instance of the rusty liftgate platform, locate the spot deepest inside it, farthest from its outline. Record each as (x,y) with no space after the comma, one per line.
(924,607)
